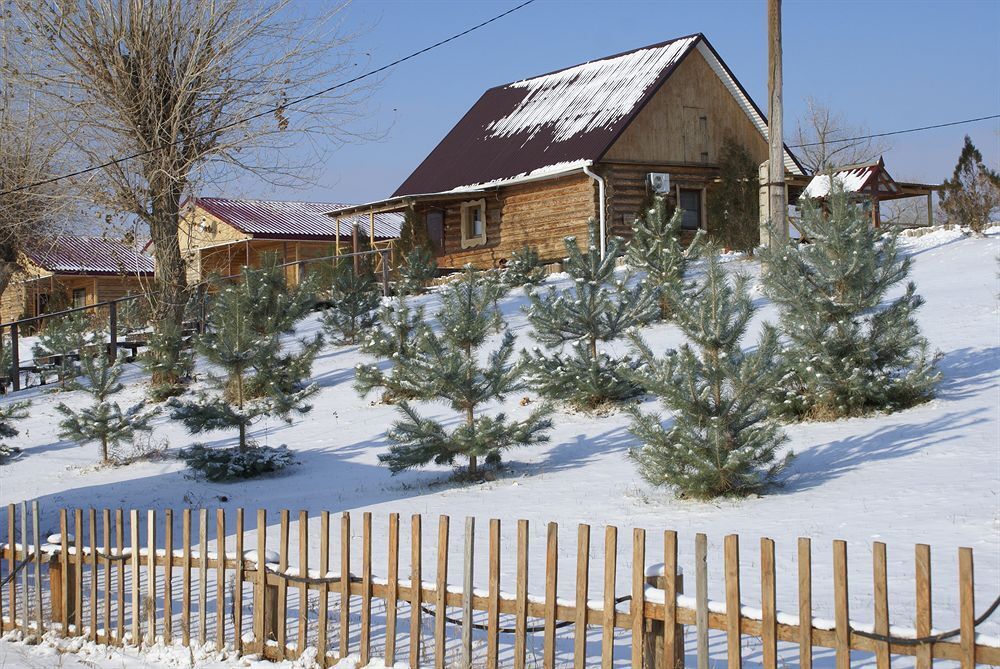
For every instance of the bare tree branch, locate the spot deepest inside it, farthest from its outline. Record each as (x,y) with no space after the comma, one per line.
(820,145)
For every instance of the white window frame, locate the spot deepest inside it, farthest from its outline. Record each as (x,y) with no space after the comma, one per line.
(468,239)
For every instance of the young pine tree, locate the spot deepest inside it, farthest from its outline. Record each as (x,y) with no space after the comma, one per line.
(972,196)
(102,422)
(849,348)
(656,249)
(259,377)
(354,297)
(393,339)
(418,268)
(10,412)
(721,441)
(733,205)
(63,338)
(596,309)
(523,269)
(446,367)
(412,234)
(169,361)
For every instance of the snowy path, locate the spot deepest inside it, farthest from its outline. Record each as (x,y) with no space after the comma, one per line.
(927,475)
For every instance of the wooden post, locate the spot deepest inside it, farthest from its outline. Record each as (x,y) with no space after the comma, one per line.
(608,612)
(656,648)
(923,598)
(776,164)
(701,597)
(582,594)
(15,359)
(371,228)
(441,594)
(385,273)
(551,585)
(467,587)
(112,331)
(355,246)
(930,209)
(733,627)
(416,543)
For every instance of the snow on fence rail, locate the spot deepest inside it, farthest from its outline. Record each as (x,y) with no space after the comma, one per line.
(105,579)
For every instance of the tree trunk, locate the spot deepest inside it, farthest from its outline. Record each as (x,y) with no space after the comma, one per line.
(104,450)
(470,419)
(170,293)
(7,268)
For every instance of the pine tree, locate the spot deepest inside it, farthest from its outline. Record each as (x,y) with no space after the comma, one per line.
(446,367)
(523,268)
(972,196)
(64,338)
(10,412)
(597,308)
(721,441)
(354,297)
(656,249)
(733,204)
(103,421)
(169,361)
(393,339)
(849,349)
(259,378)
(418,268)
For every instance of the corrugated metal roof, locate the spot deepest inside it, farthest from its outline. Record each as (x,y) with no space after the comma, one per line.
(294,220)
(71,254)
(567,116)
(852,179)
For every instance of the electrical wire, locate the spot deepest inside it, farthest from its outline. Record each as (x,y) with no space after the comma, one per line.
(895,132)
(270,110)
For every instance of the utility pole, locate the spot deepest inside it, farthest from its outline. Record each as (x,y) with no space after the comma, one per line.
(776,160)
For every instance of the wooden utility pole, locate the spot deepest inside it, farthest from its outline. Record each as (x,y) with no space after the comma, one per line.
(776,161)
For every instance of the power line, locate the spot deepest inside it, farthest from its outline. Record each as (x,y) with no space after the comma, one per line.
(896,132)
(271,110)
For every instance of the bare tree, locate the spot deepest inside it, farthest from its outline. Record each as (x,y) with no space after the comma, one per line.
(180,85)
(825,139)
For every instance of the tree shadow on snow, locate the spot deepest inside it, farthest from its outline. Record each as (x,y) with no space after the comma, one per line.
(968,371)
(820,464)
(578,451)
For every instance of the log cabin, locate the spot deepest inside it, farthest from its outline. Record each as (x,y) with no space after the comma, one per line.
(532,161)
(218,236)
(73,271)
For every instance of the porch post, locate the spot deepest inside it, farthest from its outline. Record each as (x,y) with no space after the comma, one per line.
(15,361)
(354,245)
(930,208)
(112,331)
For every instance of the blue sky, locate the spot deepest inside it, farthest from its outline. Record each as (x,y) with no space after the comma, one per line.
(887,65)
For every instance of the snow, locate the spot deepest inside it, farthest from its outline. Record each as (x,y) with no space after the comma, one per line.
(850,181)
(545,172)
(589,96)
(927,475)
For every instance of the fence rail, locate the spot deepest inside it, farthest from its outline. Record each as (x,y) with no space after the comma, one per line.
(125,579)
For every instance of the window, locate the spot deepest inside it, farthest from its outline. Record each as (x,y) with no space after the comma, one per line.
(689,201)
(435,228)
(473,223)
(43,303)
(79,297)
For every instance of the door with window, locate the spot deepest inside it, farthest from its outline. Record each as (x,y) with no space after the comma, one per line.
(435,229)
(690,202)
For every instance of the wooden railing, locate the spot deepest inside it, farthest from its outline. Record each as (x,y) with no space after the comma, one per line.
(120,578)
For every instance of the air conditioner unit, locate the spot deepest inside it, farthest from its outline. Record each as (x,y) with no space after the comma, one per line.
(660,182)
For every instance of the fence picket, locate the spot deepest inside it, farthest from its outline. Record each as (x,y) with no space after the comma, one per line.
(493,605)
(168,576)
(345,583)
(38,568)
(922,558)
(202,576)
(731,564)
(768,596)
(582,594)
(12,561)
(416,600)
(220,579)
(880,592)
(366,587)
(25,597)
(120,596)
(610,576)
(302,633)
(77,571)
(521,596)
(136,550)
(637,605)
(282,584)
(840,605)
(92,531)
(441,594)
(551,589)
(967,610)
(673,643)
(186,576)
(151,575)
(64,590)
(238,585)
(467,589)
(260,585)
(701,597)
(805,602)
(392,591)
(324,589)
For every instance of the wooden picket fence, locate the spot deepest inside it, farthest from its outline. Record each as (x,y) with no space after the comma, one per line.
(112,578)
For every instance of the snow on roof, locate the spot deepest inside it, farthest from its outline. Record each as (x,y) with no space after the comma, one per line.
(852,179)
(294,220)
(590,96)
(72,254)
(544,172)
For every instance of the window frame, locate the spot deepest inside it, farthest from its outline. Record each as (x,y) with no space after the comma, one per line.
(82,292)
(468,239)
(701,206)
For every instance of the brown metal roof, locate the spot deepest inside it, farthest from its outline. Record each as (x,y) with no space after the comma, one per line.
(70,254)
(568,116)
(271,219)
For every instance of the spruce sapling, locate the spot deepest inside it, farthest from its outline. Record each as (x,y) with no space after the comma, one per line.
(103,421)
(850,350)
(354,297)
(169,361)
(656,249)
(418,268)
(523,268)
(64,338)
(393,339)
(721,441)
(446,367)
(597,308)
(10,412)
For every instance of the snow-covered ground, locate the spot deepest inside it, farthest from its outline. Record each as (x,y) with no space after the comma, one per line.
(927,475)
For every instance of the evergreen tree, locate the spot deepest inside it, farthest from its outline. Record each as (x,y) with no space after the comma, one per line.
(103,421)
(972,195)
(259,378)
(446,367)
(418,268)
(523,268)
(354,297)
(169,361)
(721,441)
(849,349)
(733,204)
(10,412)
(393,339)
(64,338)
(597,308)
(412,234)
(656,249)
